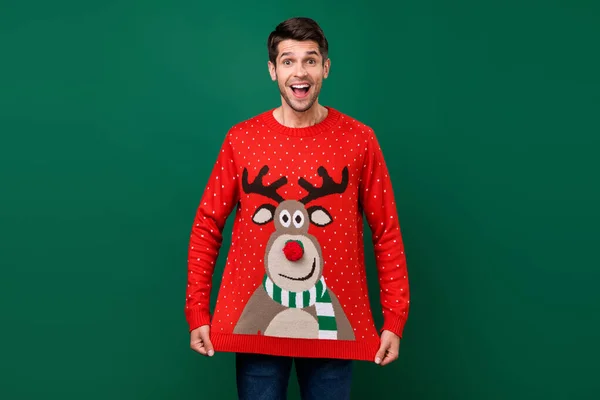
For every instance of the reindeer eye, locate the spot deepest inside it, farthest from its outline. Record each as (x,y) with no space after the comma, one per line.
(285,218)
(298,219)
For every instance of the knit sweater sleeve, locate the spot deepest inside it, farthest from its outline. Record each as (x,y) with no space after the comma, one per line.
(379,206)
(218,200)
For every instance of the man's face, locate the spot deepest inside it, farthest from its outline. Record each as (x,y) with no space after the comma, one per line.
(299,72)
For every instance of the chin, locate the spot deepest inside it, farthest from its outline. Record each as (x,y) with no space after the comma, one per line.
(300,106)
(303,109)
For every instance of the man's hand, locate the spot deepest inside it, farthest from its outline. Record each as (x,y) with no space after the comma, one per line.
(388,349)
(200,341)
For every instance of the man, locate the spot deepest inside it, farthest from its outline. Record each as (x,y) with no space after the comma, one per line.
(301,177)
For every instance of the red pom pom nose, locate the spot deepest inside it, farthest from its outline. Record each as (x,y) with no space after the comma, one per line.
(293,250)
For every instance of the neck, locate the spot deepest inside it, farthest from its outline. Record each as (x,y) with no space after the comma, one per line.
(286,116)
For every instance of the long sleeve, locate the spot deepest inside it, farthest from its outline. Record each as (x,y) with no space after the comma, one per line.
(218,200)
(379,206)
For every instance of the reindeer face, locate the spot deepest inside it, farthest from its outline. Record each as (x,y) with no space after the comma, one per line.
(293,258)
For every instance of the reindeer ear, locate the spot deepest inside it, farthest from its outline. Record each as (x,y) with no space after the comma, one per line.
(263,214)
(319,216)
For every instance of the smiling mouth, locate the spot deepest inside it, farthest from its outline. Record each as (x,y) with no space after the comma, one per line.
(311,273)
(300,91)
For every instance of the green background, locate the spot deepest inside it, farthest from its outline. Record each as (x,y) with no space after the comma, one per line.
(112,114)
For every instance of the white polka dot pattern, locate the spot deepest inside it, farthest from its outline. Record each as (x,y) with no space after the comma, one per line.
(337,142)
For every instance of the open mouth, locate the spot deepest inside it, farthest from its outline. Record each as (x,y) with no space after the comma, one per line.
(311,273)
(300,90)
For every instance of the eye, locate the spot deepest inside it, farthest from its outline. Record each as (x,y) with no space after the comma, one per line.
(298,219)
(285,219)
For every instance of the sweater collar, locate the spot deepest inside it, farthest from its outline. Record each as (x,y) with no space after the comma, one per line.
(327,124)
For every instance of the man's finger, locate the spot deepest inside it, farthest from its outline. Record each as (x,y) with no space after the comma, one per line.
(381,352)
(198,346)
(208,347)
(389,357)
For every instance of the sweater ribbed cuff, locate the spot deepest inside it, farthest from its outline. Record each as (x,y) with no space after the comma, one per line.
(394,325)
(197,317)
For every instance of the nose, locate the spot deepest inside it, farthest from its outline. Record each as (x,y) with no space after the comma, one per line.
(300,70)
(293,250)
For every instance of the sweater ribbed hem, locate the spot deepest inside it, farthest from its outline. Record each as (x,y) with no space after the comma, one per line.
(326,125)
(364,350)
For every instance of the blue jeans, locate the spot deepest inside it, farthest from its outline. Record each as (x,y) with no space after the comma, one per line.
(264,377)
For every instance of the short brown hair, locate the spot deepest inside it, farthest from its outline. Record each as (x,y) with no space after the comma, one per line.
(297,28)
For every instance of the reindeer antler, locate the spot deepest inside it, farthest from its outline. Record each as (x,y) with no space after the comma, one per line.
(258,187)
(329,185)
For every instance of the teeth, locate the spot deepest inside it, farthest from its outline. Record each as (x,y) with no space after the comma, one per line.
(299,86)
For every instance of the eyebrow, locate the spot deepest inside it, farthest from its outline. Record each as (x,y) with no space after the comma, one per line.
(289,53)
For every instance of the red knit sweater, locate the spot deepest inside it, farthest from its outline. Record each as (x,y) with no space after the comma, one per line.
(294,281)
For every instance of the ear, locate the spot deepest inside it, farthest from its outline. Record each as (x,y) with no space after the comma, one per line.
(326,67)
(272,71)
(319,216)
(263,214)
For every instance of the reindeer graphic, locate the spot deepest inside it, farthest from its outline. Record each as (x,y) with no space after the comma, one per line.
(293,299)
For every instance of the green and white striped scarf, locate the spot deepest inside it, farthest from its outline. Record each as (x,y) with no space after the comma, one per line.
(316,295)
